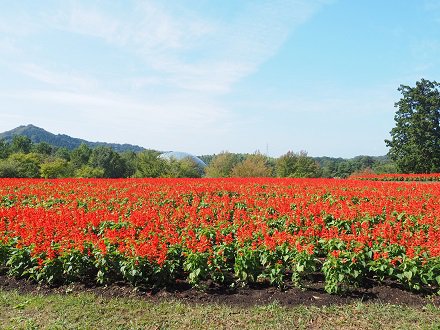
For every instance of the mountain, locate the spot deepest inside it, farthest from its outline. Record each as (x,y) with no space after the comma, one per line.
(37,134)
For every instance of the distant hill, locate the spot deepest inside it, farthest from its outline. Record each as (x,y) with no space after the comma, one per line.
(37,134)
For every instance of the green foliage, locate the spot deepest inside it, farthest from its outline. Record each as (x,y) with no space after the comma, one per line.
(27,165)
(286,164)
(150,165)
(247,265)
(130,159)
(9,168)
(21,144)
(5,149)
(83,161)
(89,172)
(113,164)
(108,265)
(63,153)
(184,168)
(80,156)
(56,168)
(254,165)
(343,271)
(37,135)
(196,264)
(297,165)
(78,266)
(221,165)
(415,140)
(20,261)
(43,148)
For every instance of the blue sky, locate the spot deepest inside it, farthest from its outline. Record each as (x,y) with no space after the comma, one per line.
(203,76)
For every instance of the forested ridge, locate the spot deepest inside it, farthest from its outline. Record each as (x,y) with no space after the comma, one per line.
(30,151)
(37,134)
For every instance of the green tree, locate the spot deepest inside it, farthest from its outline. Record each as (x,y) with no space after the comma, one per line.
(80,156)
(43,148)
(27,165)
(63,153)
(285,165)
(297,165)
(129,158)
(150,165)
(344,169)
(5,149)
(384,166)
(112,163)
(56,168)
(329,168)
(254,165)
(87,171)
(306,167)
(415,140)
(221,165)
(9,168)
(21,144)
(183,168)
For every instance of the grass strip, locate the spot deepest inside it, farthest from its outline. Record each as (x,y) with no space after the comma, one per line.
(88,311)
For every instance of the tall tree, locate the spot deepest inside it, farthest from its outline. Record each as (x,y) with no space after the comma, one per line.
(286,165)
(27,165)
(150,165)
(297,165)
(87,171)
(254,165)
(183,168)
(130,158)
(306,167)
(80,156)
(113,164)
(56,168)
(221,165)
(21,143)
(63,153)
(415,140)
(43,148)
(5,149)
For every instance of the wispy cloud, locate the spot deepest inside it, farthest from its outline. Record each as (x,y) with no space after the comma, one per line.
(179,46)
(182,62)
(65,80)
(170,42)
(182,111)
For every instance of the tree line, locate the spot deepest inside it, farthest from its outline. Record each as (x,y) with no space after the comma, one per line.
(22,158)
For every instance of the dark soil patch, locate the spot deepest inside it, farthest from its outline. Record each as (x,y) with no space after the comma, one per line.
(260,294)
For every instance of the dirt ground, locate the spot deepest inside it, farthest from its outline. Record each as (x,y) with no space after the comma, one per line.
(260,294)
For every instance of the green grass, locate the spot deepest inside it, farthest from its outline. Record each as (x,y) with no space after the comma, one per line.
(87,311)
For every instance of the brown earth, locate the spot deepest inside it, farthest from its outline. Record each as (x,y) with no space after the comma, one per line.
(313,295)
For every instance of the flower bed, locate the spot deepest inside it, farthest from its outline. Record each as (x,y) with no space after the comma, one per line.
(154,232)
(397,177)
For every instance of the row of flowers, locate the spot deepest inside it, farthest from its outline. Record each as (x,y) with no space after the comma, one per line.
(155,232)
(397,177)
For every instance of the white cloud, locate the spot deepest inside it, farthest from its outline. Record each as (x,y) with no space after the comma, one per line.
(65,80)
(188,50)
(183,62)
(180,123)
(178,45)
(181,111)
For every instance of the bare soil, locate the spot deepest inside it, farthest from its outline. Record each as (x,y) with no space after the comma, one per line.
(260,294)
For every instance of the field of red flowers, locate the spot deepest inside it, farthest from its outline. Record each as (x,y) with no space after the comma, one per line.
(154,232)
(397,177)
